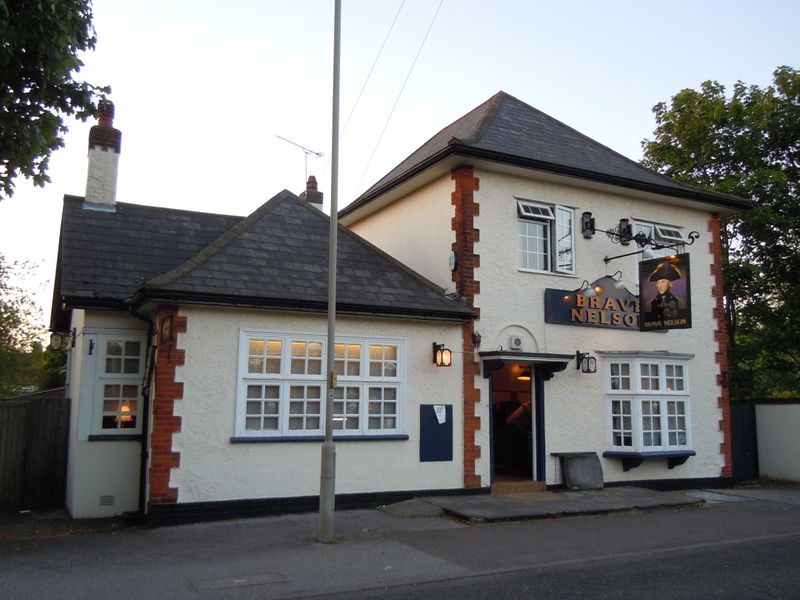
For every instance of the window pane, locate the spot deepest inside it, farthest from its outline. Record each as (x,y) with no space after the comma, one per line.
(114,348)
(113,365)
(649,377)
(564,241)
(620,376)
(534,245)
(346,415)
(382,407)
(621,430)
(305,407)
(383,361)
(132,348)
(257,347)
(131,365)
(264,356)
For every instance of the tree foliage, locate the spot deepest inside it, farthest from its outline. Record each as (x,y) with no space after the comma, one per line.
(22,360)
(39,57)
(747,144)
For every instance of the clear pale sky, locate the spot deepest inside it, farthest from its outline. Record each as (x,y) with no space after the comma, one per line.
(202,89)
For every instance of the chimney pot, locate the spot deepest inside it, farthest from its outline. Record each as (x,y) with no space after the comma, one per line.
(311,195)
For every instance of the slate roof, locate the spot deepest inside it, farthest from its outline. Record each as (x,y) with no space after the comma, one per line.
(275,258)
(506,130)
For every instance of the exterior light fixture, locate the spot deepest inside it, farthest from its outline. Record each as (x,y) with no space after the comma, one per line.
(442,357)
(525,375)
(625,230)
(587,225)
(584,362)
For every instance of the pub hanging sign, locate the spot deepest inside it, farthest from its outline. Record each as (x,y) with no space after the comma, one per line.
(665,293)
(664,303)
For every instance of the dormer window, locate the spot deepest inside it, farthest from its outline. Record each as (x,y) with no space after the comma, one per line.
(546,237)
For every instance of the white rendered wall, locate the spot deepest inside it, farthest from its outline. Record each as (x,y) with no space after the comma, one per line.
(104,469)
(97,468)
(511,300)
(416,230)
(778,431)
(212,468)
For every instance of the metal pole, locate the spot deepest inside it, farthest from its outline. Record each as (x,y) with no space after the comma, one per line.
(327,477)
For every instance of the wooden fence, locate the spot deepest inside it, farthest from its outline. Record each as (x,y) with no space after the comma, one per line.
(33,452)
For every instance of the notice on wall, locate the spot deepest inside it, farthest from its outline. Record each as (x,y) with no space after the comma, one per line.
(441,413)
(665,293)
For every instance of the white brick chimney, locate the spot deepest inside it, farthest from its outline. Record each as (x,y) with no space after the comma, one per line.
(104,147)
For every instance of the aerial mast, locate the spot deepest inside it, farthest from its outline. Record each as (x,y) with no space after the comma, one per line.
(305,150)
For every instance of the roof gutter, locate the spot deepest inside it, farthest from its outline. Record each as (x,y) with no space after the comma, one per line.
(458,149)
(159,295)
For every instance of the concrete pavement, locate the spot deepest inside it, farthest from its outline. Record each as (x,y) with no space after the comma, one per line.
(407,543)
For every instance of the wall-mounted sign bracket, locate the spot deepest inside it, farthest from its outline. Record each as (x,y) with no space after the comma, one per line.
(643,241)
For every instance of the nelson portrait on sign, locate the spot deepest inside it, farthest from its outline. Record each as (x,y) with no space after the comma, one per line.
(666,306)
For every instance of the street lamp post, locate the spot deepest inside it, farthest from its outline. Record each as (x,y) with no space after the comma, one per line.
(327,477)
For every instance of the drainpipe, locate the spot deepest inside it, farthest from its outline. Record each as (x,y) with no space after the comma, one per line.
(151,364)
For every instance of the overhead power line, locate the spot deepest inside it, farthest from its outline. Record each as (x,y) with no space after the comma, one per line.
(397,100)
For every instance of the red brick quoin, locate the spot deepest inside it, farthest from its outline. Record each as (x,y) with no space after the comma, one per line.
(721,337)
(466,286)
(165,423)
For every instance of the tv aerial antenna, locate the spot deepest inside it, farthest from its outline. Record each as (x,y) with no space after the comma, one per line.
(305,150)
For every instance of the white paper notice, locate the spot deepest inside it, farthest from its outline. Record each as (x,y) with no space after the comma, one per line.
(441,413)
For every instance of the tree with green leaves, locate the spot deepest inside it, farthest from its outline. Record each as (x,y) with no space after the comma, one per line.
(747,144)
(39,58)
(21,331)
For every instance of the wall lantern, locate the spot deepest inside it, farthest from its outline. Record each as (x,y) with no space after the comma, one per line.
(587,225)
(442,357)
(584,362)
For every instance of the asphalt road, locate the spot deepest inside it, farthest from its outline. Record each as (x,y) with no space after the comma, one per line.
(763,568)
(741,544)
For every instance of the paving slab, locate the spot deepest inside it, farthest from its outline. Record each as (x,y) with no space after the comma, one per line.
(510,507)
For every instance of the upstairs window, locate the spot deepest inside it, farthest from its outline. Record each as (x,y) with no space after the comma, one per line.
(662,234)
(546,237)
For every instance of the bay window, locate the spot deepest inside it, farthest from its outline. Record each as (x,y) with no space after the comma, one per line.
(648,403)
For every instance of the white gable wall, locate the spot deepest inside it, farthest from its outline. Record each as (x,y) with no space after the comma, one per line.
(416,230)
(513,301)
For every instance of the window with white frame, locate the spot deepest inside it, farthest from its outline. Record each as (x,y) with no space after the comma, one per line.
(648,401)
(546,237)
(282,386)
(120,371)
(662,234)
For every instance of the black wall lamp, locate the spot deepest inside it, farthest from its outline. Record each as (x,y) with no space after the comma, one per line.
(442,357)
(584,362)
